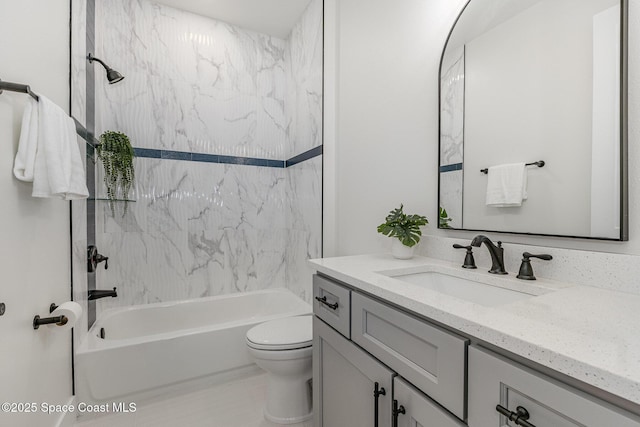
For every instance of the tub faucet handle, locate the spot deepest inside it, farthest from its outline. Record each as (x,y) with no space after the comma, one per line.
(100,258)
(94,258)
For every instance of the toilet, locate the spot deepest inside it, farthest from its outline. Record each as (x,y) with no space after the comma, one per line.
(282,347)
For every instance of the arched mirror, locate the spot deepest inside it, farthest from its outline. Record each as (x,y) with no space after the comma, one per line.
(533,96)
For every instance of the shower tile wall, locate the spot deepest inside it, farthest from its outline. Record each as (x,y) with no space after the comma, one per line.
(198,85)
(303,64)
(304,222)
(452,138)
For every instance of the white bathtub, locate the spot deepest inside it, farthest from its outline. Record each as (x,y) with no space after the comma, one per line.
(151,346)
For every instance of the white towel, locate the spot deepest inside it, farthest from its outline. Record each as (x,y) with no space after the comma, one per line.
(48,153)
(507,185)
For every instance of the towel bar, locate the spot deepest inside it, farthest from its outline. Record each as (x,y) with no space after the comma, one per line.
(17,87)
(539,163)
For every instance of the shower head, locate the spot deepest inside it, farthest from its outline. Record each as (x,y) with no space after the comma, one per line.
(112,75)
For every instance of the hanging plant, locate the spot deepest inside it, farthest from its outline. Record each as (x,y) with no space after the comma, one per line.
(116,154)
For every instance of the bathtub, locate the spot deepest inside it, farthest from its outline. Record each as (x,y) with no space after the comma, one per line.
(152,346)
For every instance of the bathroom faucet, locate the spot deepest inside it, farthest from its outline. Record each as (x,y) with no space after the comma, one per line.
(97,294)
(496,252)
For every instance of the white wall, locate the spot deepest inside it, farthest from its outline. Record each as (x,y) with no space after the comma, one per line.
(35,366)
(386,57)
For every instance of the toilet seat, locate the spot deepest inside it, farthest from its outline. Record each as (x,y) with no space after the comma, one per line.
(282,334)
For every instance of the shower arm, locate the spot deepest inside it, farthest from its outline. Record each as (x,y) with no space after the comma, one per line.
(92,58)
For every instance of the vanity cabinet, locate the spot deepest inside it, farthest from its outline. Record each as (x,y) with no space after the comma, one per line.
(494,380)
(356,382)
(332,303)
(433,359)
(418,410)
(345,379)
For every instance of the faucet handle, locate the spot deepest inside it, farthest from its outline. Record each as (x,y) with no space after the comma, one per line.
(545,257)
(469,262)
(526,271)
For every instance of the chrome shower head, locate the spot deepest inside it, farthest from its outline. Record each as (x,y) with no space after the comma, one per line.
(112,75)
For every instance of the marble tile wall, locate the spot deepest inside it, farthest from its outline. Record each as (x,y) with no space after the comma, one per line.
(303,62)
(304,224)
(452,111)
(452,137)
(191,83)
(197,85)
(78,61)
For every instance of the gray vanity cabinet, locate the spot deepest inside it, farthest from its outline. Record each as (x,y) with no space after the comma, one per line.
(332,303)
(494,380)
(433,360)
(344,382)
(384,342)
(418,410)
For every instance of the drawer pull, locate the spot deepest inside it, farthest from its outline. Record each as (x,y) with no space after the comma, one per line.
(520,417)
(323,300)
(377,392)
(397,411)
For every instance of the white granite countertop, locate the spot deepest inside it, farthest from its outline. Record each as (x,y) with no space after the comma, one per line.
(588,333)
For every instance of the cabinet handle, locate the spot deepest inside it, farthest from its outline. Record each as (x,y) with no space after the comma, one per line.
(397,410)
(377,392)
(519,417)
(323,300)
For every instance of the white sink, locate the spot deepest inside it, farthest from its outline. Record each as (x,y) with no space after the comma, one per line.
(469,290)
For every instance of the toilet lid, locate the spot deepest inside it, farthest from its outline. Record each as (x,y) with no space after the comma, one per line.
(282,334)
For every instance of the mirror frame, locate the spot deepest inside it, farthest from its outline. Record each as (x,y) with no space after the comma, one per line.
(624,134)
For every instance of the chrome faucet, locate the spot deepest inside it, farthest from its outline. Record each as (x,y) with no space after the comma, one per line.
(496,252)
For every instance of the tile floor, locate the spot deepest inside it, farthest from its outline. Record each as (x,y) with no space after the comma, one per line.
(237,403)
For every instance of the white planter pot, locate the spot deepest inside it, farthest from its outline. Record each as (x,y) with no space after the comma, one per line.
(400,251)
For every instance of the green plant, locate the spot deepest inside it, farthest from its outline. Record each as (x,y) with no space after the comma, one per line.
(116,154)
(405,227)
(444,218)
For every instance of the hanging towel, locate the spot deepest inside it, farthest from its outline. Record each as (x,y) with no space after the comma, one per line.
(48,153)
(507,185)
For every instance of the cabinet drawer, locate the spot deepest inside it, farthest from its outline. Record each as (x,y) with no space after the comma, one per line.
(332,303)
(419,410)
(434,359)
(494,380)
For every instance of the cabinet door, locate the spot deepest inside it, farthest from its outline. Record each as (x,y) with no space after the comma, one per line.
(419,410)
(433,359)
(344,381)
(494,380)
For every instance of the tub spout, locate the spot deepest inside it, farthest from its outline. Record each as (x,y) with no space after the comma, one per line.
(97,294)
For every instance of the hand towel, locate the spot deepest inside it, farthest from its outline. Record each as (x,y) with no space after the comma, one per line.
(507,185)
(26,156)
(48,153)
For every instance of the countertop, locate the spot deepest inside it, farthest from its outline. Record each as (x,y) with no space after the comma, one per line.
(587,333)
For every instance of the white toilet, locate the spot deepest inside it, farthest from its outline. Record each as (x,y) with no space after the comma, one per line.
(283,348)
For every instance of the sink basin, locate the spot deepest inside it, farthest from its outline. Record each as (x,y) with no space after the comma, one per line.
(469,290)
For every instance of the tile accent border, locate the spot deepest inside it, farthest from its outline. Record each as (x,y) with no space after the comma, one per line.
(310,154)
(151,153)
(451,168)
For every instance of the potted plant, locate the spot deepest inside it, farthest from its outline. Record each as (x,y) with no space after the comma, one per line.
(116,154)
(405,228)
(444,218)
